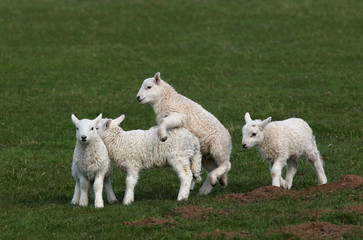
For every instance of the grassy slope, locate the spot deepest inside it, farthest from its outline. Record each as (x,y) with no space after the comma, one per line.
(85,57)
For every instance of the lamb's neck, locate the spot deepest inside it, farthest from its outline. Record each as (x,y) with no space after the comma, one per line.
(168,95)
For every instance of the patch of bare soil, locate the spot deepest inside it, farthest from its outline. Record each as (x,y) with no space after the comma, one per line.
(197,212)
(347,182)
(261,193)
(227,234)
(151,222)
(271,192)
(317,230)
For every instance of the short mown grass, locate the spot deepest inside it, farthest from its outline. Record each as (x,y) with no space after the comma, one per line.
(281,59)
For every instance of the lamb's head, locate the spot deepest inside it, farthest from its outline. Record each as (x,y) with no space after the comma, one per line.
(150,90)
(86,129)
(252,131)
(106,124)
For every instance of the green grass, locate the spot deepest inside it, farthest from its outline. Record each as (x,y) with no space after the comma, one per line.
(281,59)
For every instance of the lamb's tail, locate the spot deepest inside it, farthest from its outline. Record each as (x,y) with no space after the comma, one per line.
(196,164)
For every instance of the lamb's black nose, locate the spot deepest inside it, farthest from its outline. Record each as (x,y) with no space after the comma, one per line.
(244,146)
(138,98)
(83,137)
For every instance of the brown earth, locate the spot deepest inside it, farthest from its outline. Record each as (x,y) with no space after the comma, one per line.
(197,212)
(227,234)
(261,193)
(347,182)
(316,230)
(271,192)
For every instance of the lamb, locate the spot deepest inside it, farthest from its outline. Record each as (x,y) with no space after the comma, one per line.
(137,150)
(174,110)
(90,164)
(282,143)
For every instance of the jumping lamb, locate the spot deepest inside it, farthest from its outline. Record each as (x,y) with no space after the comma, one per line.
(282,143)
(90,164)
(174,110)
(137,150)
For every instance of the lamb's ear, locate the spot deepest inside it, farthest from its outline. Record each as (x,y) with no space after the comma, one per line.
(119,120)
(98,119)
(107,123)
(264,123)
(248,118)
(157,78)
(74,119)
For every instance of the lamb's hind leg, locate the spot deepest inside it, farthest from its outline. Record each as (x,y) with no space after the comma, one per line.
(208,164)
(314,157)
(111,198)
(77,193)
(220,155)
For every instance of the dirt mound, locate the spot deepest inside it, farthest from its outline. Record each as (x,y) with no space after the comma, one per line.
(261,193)
(150,222)
(227,234)
(271,192)
(196,212)
(316,230)
(347,182)
(354,209)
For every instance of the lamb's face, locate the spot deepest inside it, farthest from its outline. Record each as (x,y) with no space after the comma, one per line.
(150,90)
(86,130)
(251,134)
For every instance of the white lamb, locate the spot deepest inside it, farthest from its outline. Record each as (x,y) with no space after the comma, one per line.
(282,143)
(90,164)
(138,150)
(173,110)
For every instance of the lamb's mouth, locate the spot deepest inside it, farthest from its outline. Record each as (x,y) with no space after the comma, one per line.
(139,99)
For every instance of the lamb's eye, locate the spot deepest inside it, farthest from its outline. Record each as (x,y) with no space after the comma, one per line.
(92,129)
(253,134)
(148,87)
(77,129)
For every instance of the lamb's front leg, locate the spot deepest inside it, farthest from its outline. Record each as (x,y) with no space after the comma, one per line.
(281,181)
(84,184)
(131,180)
(173,120)
(276,173)
(97,187)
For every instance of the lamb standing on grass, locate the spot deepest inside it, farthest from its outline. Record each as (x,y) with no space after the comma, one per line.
(137,150)
(173,111)
(90,163)
(281,143)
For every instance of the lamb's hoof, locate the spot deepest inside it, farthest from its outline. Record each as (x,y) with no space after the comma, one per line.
(113,201)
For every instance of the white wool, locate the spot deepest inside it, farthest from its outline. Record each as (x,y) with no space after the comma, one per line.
(90,164)
(174,110)
(282,143)
(138,150)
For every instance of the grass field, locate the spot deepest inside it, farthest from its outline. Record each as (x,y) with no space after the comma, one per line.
(270,58)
